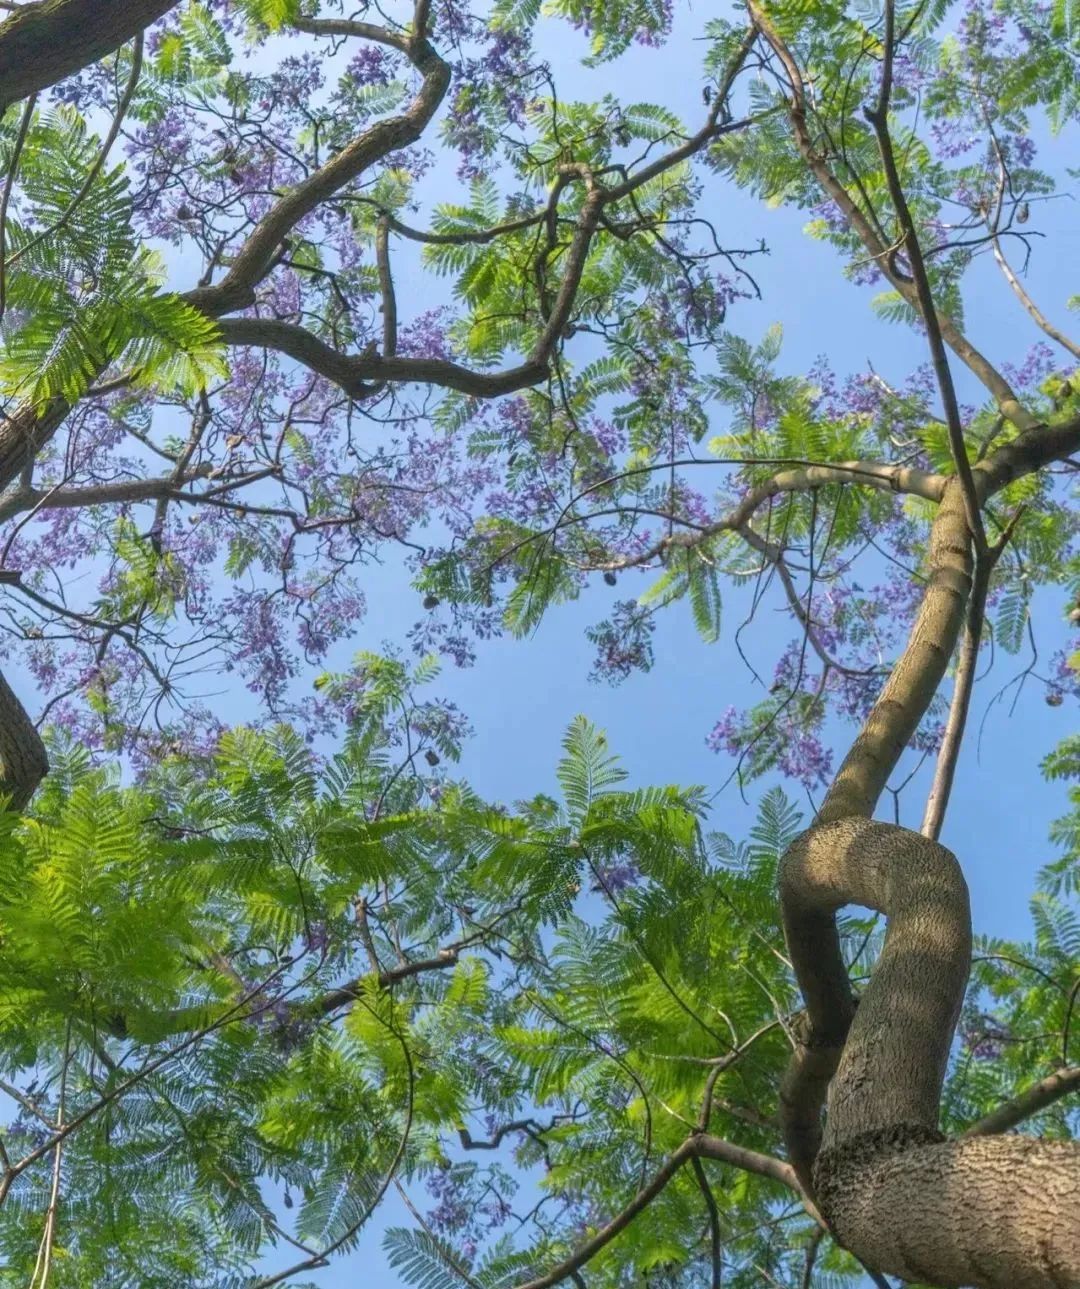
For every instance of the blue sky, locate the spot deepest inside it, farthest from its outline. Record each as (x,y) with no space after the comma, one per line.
(522,694)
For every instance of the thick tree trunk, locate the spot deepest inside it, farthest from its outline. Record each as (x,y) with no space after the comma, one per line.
(991,1212)
(994,1212)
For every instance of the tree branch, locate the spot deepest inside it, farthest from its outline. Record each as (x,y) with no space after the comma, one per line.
(703,1146)
(42,43)
(949,752)
(878,118)
(236,290)
(23,762)
(1039,318)
(1060,1084)
(803,478)
(353,372)
(97,494)
(984,370)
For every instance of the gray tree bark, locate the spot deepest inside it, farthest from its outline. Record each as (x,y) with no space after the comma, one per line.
(998,1212)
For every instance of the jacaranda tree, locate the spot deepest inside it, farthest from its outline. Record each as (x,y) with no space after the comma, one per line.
(248,992)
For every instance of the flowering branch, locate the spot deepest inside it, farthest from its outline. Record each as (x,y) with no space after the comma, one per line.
(882,253)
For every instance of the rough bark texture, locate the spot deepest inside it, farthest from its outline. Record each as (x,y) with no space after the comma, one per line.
(23,763)
(1007,1214)
(42,43)
(994,1212)
(918,672)
(897,1050)
(23,435)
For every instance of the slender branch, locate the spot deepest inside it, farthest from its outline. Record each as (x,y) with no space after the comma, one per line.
(703,1146)
(323,1258)
(949,752)
(607,1233)
(984,370)
(350,27)
(466,236)
(336,998)
(716,1265)
(133,1080)
(803,478)
(1040,319)
(717,123)
(386,287)
(48,1239)
(1012,1113)
(352,371)
(811,1258)
(255,258)
(878,118)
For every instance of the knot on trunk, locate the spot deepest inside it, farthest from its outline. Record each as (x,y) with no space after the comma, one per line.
(841,1168)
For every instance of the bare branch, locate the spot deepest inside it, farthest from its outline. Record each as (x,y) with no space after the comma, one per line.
(702,1146)
(878,118)
(1040,319)
(352,372)
(253,261)
(97,494)
(803,477)
(715,1248)
(949,752)
(1060,1084)
(386,287)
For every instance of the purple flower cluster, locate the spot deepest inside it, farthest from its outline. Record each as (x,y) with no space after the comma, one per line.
(471,1202)
(623,643)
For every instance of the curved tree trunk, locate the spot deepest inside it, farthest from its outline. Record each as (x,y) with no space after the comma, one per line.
(997,1212)
(994,1212)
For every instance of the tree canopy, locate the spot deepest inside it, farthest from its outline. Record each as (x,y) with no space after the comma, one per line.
(288,289)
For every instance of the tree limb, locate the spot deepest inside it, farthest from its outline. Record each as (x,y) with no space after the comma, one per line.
(699,1145)
(984,370)
(352,372)
(1012,1113)
(878,118)
(42,43)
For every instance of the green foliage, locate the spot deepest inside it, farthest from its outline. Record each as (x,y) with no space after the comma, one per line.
(83,296)
(262,971)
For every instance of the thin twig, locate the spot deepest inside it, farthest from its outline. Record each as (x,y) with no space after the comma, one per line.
(878,118)
(715,1247)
